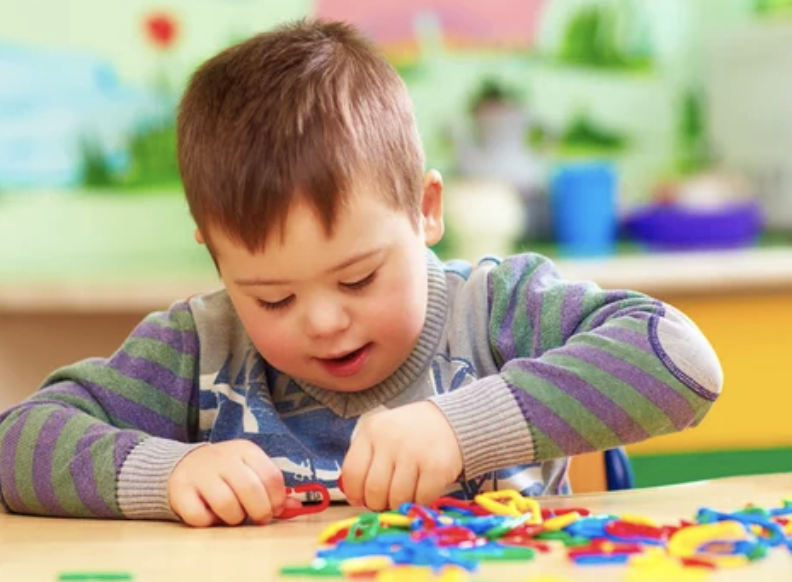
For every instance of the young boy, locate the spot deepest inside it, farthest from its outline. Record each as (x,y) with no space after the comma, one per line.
(340,345)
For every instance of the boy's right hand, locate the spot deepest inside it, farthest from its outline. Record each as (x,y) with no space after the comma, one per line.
(227,482)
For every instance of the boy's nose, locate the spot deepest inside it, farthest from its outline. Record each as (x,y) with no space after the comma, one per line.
(326,320)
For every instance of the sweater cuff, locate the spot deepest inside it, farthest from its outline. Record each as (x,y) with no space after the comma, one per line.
(491,430)
(144,476)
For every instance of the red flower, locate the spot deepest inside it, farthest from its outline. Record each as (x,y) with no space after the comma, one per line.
(161,29)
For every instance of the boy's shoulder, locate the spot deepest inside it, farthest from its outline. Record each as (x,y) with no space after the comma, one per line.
(467,271)
(220,331)
(213,305)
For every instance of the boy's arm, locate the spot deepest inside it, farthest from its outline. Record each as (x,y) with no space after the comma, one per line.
(102,436)
(581,369)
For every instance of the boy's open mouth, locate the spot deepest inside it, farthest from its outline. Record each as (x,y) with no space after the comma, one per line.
(347,357)
(348,364)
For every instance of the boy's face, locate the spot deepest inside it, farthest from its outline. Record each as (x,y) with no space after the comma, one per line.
(342,312)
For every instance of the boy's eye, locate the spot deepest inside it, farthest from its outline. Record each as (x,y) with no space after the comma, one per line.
(274,306)
(361,283)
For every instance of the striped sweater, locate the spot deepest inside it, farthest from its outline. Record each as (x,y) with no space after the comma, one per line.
(528,368)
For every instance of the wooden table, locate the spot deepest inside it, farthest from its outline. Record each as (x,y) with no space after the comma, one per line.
(38,549)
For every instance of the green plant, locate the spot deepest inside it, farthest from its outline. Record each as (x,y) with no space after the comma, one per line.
(493,90)
(592,38)
(584,134)
(410,71)
(772,6)
(153,155)
(95,171)
(694,151)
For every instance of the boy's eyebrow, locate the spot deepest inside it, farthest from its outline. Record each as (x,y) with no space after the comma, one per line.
(255,282)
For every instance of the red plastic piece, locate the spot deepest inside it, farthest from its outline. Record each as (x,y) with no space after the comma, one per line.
(308,508)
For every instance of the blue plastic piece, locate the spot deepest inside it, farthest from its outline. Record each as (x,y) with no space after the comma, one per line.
(481,525)
(706,515)
(589,527)
(600,559)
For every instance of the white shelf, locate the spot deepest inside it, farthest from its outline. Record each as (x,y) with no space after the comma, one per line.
(687,273)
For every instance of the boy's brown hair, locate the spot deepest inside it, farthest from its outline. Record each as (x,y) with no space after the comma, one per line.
(305,112)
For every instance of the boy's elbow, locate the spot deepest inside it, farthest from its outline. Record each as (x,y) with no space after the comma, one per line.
(688,355)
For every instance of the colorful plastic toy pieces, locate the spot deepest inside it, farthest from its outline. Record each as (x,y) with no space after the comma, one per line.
(448,541)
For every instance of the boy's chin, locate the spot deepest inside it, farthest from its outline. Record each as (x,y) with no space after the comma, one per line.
(353,384)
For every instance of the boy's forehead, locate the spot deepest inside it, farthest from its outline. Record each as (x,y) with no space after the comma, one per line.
(364,222)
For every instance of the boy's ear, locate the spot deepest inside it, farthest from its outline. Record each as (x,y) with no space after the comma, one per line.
(432,208)
(199,237)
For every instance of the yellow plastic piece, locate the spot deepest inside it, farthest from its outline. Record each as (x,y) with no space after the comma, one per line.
(352,566)
(422,574)
(510,502)
(686,542)
(639,520)
(656,566)
(561,521)
(390,519)
(395,520)
(334,528)
(491,501)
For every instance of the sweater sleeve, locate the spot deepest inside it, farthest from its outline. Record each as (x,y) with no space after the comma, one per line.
(581,369)
(101,437)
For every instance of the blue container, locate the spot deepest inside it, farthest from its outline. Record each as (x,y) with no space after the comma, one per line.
(583,202)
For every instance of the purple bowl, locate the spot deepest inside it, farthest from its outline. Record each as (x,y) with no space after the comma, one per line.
(674,227)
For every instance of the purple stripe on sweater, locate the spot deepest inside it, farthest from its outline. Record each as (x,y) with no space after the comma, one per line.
(572,310)
(185,342)
(534,288)
(613,305)
(556,428)
(506,334)
(83,471)
(658,393)
(8,465)
(155,374)
(137,415)
(43,453)
(122,449)
(605,409)
(629,336)
(122,409)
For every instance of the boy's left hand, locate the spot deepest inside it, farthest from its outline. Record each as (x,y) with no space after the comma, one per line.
(406,454)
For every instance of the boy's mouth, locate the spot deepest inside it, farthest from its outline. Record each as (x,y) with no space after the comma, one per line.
(348,364)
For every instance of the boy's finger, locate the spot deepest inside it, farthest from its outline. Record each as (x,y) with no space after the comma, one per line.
(403,485)
(222,501)
(355,469)
(250,492)
(192,510)
(378,482)
(270,476)
(429,488)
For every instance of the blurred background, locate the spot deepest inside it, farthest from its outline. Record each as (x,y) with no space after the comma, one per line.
(644,144)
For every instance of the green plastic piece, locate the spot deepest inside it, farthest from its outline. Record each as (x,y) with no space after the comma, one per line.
(504,554)
(366,528)
(317,568)
(568,540)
